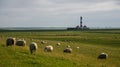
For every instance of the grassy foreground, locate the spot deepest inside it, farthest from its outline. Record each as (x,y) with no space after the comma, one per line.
(91,44)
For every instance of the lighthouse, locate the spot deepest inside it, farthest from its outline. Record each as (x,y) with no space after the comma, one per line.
(80,26)
(81,22)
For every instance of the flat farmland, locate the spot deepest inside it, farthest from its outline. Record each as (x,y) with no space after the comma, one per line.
(91,44)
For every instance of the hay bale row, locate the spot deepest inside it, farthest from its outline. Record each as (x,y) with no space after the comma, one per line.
(12,41)
(33,47)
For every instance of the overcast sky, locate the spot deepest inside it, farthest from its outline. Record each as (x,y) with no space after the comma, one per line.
(59,13)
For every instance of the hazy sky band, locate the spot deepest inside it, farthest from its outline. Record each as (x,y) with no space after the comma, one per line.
(59,13)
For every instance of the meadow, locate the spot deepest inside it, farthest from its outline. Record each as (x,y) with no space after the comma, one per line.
(91,44)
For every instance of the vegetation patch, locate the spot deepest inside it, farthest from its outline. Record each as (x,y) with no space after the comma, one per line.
(90,43)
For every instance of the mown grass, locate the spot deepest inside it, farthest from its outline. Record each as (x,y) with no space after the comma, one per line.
(91,44)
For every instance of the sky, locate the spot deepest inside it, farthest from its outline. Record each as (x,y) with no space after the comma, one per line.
(59,13)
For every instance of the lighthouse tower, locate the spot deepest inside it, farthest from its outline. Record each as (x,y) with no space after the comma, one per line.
(81,22)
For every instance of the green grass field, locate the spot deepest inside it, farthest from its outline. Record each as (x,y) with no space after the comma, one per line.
(91,44)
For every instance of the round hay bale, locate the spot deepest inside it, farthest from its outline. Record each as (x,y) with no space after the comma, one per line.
(43,42)
(48,48)
(77,47)
(10,41)
(103,56)
(68,46)
(67,50)
(58,44)
(33,47)
(21,42)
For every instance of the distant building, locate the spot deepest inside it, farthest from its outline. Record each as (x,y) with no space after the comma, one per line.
(81,27)
(81,22)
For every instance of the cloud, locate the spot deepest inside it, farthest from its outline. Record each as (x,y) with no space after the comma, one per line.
(62,11)
(60,6)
